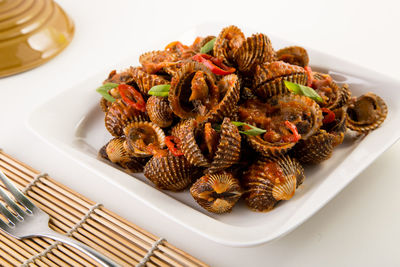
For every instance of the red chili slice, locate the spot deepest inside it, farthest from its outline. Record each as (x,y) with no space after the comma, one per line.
(295,134)
(329,117)
(127,91)
(310,76)
(172,143)
(214,64)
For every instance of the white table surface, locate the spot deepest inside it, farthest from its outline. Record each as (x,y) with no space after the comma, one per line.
(360,227)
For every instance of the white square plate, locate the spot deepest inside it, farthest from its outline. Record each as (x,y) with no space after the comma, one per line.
(74,123)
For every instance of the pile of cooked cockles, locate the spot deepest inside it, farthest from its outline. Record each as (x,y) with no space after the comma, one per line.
(229,117)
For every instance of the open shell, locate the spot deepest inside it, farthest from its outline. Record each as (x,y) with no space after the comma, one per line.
(333,95)
(315,149)
(269,78)
(227,42)
(143,138)
(120,114)
(144,80)
(295,55)
(307,123)
(227,107)
(159,111)
(115,152)
(338,126)
(256,50)
(170,172)
(180,90)
(270,180)
(366,113)
(228,148)
(155,61)
(217,192)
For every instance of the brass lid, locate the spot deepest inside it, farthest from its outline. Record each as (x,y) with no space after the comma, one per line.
(31,33)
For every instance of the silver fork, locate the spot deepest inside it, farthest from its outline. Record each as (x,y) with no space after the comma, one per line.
(34,222)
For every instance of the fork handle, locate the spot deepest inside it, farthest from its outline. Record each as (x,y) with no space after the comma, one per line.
(103,260)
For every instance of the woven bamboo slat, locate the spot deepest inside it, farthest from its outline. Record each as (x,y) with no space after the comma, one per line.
(84,220)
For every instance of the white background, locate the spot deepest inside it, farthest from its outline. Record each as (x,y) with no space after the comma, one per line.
(360,227)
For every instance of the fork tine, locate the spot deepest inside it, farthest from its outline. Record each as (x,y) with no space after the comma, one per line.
(16,193)
(4,226)
(8,214)
(11,203)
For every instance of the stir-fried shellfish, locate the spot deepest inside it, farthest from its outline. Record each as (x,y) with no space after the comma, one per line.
(170,172)
(269,181)
(232,115)
(366,113)
(217,192)
(203,146)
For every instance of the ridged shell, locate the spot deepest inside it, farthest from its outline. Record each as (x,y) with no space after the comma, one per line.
(338,126)
(256,50)
(132,130)
(159,111)
(268,181)
(315,149)
(228,148)
(119,114)
(227,107)
(314,117)
(366,113)
(104,104)
(339,95)
(295,55)
(227,42)
(144,80)
(115,152)
(154,61)
(217,193)
(170,172)
(269,78)
(180,90)
(120,77)
(203,41)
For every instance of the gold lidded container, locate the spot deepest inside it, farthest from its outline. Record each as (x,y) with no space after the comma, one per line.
(31,33)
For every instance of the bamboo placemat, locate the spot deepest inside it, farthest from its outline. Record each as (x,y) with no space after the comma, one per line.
(84,220)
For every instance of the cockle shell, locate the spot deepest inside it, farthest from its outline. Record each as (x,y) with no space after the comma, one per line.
(256,50)
(338,126)
(141,135)
(339,96)
(227,42)
(311,121)
(269,78)
(202,42)
(317,148)
(120,114)
(228,148)
(115,152)
(217,192)
(104,104)
(119,77)
(227,107)
(295,55)
(154,61)
(170,172)
(270,180)
(366,113)
(145,81)
(159,111)
(180,90)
